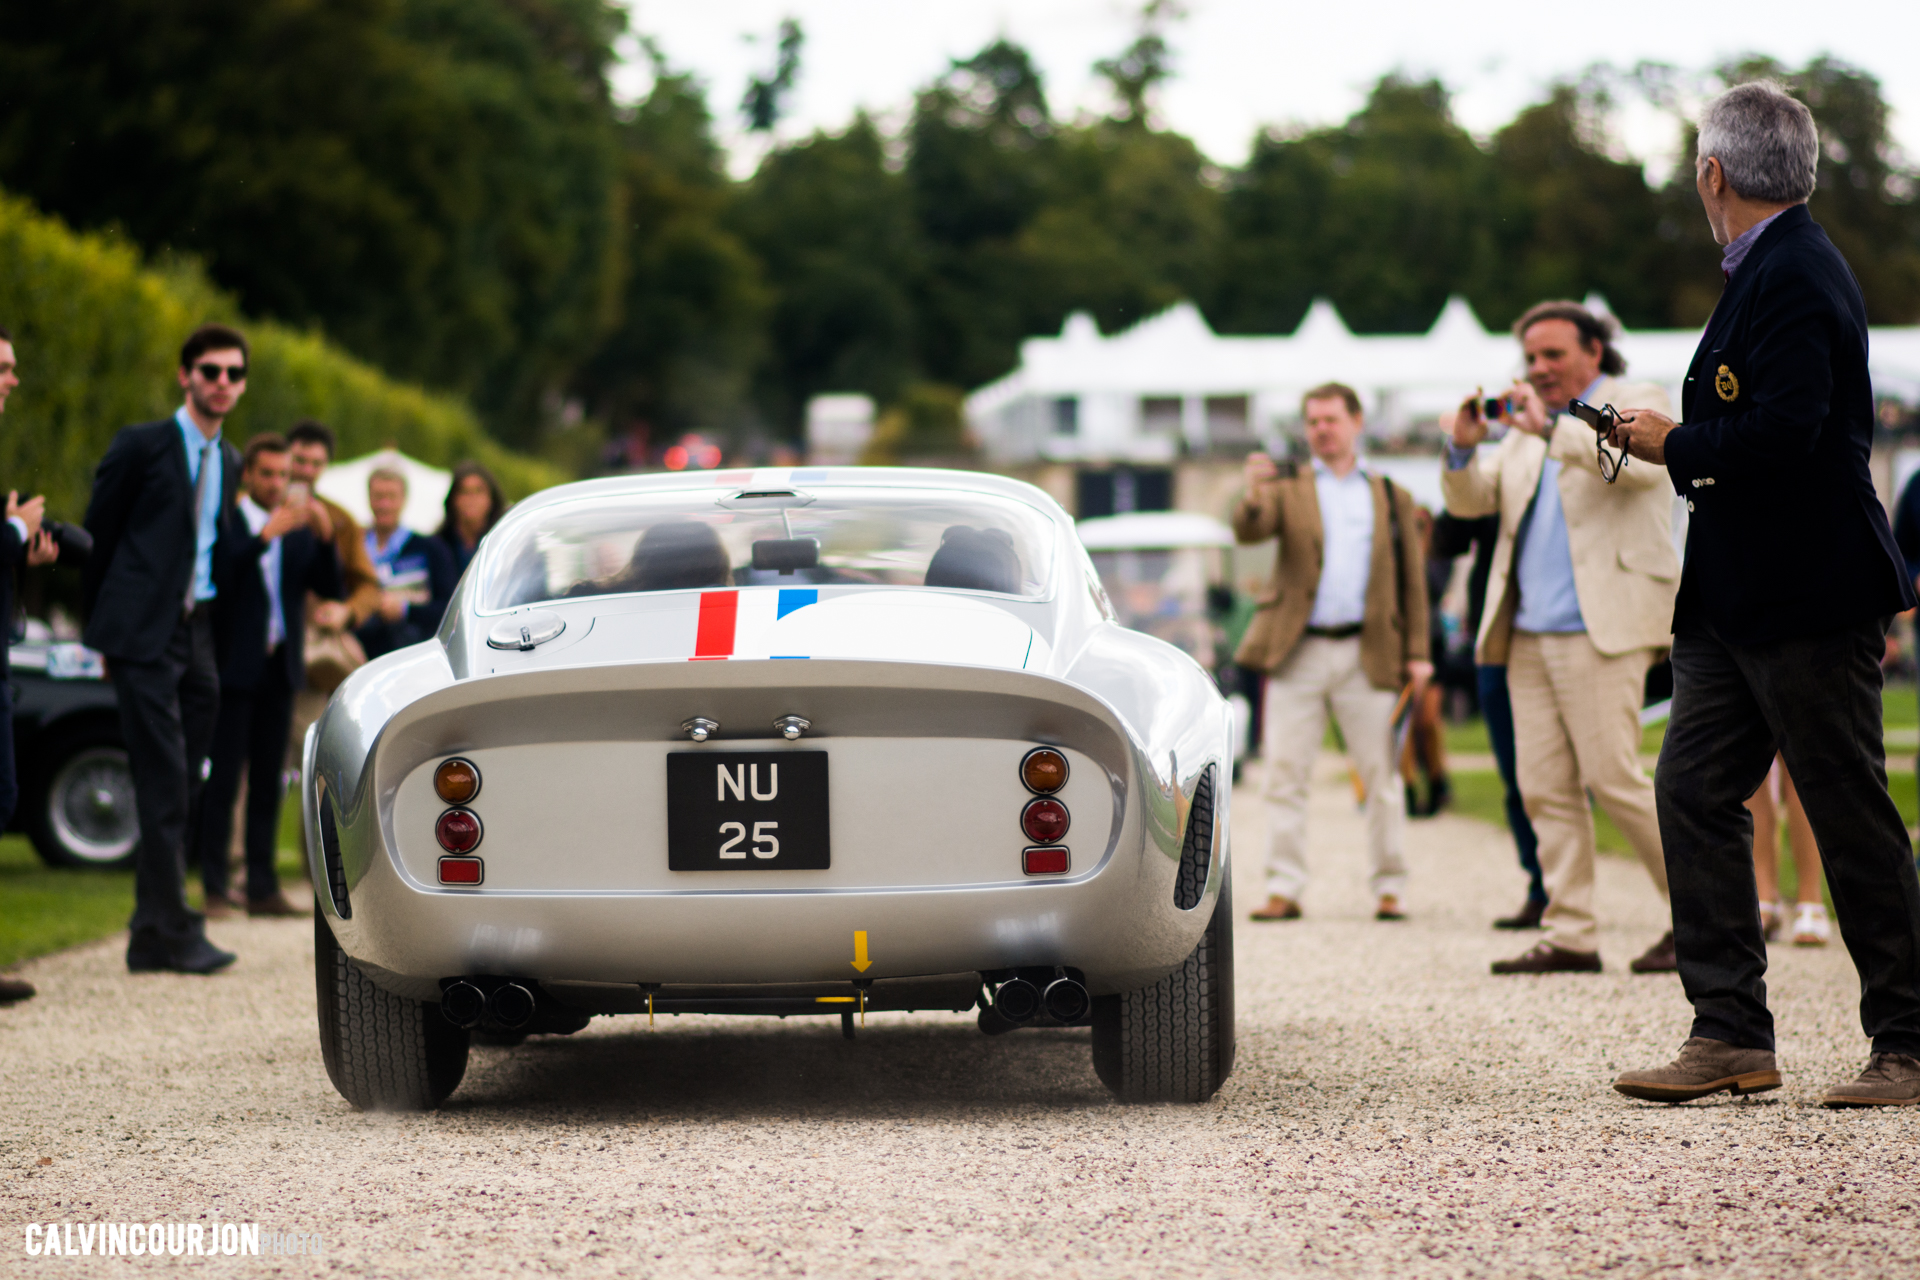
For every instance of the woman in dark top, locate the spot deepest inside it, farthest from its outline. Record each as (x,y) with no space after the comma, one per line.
(474,505)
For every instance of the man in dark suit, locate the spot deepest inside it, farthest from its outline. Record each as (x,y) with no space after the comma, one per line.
(163,497)
(1791,581)
(22,541)
(259,638)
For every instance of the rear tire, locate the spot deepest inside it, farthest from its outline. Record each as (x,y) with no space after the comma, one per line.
(1173,1041)
(383,1052)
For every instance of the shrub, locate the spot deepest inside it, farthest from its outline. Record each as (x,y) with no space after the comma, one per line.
(98,332)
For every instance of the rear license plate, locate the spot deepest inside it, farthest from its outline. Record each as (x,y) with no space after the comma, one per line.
(747,811)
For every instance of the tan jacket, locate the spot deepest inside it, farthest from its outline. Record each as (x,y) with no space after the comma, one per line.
(1289,508)
(356,569)
(1625,569)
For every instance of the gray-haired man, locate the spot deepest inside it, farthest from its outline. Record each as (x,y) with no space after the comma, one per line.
(1791,580)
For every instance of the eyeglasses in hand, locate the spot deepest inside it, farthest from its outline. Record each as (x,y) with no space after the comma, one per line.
(1603,420)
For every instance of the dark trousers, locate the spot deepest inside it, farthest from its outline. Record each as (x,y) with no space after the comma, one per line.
(9,777)
(167,712)
(1817,699)
(250,735)
(1497,709)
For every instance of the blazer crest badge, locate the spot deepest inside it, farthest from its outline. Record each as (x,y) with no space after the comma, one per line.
(1726,384)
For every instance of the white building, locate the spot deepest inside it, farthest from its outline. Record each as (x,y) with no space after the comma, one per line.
(1170,385)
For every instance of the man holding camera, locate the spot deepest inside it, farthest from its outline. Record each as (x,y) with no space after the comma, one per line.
(1792,579)
(1578,601)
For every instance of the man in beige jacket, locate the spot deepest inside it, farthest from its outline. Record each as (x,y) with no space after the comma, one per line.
(1579,600)
(1341,627)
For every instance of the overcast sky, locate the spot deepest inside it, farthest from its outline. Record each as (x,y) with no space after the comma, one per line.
(1244,64)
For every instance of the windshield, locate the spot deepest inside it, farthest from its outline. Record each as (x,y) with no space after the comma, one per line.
(687,541)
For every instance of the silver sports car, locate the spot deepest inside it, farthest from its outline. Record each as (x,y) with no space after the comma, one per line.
(790,741)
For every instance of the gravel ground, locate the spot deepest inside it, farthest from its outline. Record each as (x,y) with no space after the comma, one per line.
(1394,1111)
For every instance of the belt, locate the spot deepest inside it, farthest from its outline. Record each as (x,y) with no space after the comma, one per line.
(1345,632)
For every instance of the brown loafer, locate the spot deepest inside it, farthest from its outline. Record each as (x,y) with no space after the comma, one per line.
(1658,958)
(219,908)
(1704,1067)
(1389,908)
(1547,958)
(277,905)
(1890,1080)
(1277,908)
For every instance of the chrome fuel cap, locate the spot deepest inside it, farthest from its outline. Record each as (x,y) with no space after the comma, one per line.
(525,631)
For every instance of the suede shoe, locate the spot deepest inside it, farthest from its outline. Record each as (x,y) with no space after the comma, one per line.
(197,956)
(1703,1067)
(1527,917)
(1547,958)
(1658,958)
(1890,1080)
(277,905)
(1277,908)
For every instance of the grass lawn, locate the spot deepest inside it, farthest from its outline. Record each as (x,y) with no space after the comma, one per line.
(43,909)
(1478,795)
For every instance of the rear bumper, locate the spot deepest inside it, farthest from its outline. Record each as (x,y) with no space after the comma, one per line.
(1118,925)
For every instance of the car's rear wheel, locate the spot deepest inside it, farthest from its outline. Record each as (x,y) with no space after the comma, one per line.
(383,1052)
(82,811)
(1173,1041)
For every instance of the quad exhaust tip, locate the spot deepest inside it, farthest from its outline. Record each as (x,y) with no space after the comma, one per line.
(1017,1000)
(511,1005)
(1066,1000)
(463,1004)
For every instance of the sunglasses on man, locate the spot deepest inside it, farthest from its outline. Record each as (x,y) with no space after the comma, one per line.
(234,373)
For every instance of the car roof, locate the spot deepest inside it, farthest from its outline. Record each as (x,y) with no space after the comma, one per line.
(750,478)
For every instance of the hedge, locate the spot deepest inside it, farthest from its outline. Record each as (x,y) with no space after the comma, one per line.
(97,334)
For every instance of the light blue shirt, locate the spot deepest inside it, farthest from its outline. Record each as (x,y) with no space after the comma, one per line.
(1346,542)
(207,528)
(1543,566)
(256,517)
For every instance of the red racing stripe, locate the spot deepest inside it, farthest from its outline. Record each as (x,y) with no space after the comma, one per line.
(714,639)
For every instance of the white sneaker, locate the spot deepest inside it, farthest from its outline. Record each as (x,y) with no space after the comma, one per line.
(1810,928)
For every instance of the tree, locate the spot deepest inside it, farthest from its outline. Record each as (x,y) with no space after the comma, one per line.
(693,303)
(1386,214)
(765,100)
(833,227)
(431,181)
(1568,219)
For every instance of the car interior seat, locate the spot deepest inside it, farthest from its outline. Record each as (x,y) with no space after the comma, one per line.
(975,560)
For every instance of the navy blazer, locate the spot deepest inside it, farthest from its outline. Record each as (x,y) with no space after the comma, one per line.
(142,520)
(307,563)
(1786,537)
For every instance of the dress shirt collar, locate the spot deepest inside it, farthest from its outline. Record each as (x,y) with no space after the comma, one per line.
(1736,252)
(1322,471)
(190,433)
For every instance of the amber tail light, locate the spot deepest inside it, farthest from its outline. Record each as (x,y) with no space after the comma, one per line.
(1044,770)
(456,781)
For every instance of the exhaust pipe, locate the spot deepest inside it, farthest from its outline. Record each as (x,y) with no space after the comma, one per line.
(463,1004)
(1066,1000)
(511,1005)
(1017,1000)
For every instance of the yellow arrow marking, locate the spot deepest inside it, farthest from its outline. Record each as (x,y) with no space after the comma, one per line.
(860,960)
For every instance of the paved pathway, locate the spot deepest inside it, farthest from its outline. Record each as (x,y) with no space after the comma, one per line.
(1395,1112)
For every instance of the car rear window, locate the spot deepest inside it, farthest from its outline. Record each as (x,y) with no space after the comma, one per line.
(678,541)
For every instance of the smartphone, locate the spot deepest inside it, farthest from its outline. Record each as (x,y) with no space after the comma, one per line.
(299,493)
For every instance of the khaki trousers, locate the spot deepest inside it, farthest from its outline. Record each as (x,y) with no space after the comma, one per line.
(1576,730)
(1322,675)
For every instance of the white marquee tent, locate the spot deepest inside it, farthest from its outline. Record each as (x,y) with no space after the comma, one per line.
(346,483)
(1138,395)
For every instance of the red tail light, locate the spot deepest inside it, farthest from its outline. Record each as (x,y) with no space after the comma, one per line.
(1044,821)
(460,871)
(458,830)
(1045,862)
